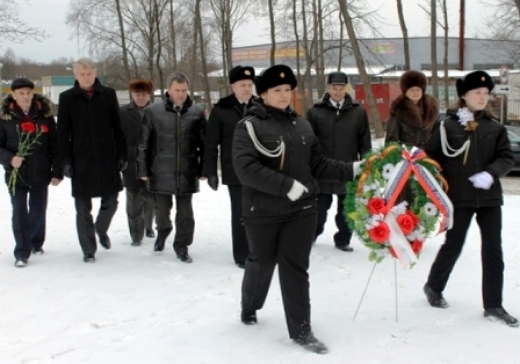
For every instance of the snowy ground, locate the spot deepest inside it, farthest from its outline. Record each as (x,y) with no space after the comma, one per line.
(137,306)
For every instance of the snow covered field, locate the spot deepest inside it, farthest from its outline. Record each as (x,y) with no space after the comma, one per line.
(137,306)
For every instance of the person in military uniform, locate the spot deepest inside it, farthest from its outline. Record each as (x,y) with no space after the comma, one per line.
(228,111)
(277,158)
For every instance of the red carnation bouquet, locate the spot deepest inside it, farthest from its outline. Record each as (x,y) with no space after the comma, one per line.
(28,134)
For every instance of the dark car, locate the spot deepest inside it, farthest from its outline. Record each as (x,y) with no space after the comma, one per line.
(513,133)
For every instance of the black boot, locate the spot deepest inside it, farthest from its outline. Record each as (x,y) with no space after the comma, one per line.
(248,317)
(309,342)
(499,314)
(149,233)
(434,298)
(162,235)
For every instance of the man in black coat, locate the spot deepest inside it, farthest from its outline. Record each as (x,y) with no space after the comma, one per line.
(28,116)
(170,158)
(341,125)
(139,202)
(227,112)
(93,151)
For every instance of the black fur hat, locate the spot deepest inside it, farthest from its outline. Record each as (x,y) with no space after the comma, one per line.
(22,82)
(241,73)
(278,74)
(474,80)
(413,78)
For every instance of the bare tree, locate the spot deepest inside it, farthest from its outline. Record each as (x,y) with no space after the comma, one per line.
(376,122)
(13,28)
(444,9)
(124,49)
(433,39)
(271,4)
(198,24)
(404,30)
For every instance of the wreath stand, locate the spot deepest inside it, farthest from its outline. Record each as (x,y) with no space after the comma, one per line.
(366,288)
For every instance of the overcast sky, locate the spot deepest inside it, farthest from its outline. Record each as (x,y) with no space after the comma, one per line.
(50,15)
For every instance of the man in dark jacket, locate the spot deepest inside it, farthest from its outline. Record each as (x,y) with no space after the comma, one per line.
(169,158)
(93,150)
(139,202)
(25,113)
(341,125)
(221,126)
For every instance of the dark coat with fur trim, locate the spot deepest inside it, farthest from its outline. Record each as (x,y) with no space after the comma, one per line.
(42,164)
(343,135)
(411,124)
(221,126)
(489,151)
(91,140)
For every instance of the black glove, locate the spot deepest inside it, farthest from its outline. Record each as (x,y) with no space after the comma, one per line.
(213,182)
(67,170)
(121,165)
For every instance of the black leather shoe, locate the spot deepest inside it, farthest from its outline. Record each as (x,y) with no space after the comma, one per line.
(104,240)
(345,248)
(434,298)
(37,251)
(136,243)
(184,257)
(499,314)
(309,342)
(89,258)
(149,233)
(20,263)
(159,244)
(248,317)
(241,265)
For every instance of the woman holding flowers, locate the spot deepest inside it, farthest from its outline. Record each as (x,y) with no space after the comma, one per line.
(29,154)
(474,151)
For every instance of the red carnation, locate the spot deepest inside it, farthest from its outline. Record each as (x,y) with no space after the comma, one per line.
(379,233)
(28,127)
(376,205)
(44,129)
(407,222)
(417,246)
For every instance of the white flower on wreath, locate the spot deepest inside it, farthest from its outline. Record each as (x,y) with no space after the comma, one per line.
(400,208)
(430,209)
(387,170)
(417,234)
(464,116)
(373,221)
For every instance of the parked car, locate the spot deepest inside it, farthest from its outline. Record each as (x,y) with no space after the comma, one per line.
(513,133)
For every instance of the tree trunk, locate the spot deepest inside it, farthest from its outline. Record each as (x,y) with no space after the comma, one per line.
(433,24)
(301,82)
(273,36)
(308,60)
(517,3)
(123,40)
(376,121)
(198,22)
(404,30)
(341,36)
(159,41)
(173,36)
(445,59)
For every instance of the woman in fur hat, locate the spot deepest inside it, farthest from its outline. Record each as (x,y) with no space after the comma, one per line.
(473,151)
(277,158)
(413,113)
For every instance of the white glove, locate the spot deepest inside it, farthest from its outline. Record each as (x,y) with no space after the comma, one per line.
(482,180)
(296,191)
(356,167)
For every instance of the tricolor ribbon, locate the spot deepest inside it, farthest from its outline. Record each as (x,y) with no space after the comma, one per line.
(429,184)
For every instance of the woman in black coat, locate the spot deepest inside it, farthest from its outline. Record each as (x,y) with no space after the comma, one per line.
(473,151)
(277,157)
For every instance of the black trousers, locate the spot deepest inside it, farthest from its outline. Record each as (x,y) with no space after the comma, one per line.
(238,231)
(139,211)
(342,237)
(184,219)
(28,220)
(489,220)
(87,229)
(288,244)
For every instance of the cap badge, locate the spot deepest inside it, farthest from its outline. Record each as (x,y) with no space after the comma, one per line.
(483,79)
(247,73)
(282,75)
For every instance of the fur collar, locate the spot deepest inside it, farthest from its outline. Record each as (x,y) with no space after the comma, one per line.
(43,106)
(422,117)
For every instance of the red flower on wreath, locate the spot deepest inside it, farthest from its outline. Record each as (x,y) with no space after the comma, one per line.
(44,129)
(376,205)
(28,127)
(379,233)
(407,222)
(417,246)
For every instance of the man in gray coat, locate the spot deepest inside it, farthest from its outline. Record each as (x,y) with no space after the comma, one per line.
(341,125)
(170,158)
